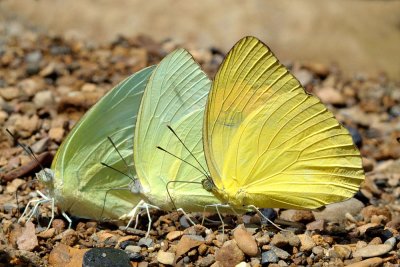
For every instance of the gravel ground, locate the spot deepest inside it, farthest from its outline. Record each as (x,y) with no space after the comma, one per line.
(47,83)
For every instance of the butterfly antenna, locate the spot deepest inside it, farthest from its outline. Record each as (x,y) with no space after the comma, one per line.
(188,150)
(30,152)
(200,170)
(112,168)
(119,153)
(26,148)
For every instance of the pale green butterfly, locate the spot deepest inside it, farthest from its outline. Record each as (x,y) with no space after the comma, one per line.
(175,96)
(78,183)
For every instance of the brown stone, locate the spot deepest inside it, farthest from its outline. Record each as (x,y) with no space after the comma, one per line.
(230,254)
(65,256)
(245,242)
(186,243)
(28,239)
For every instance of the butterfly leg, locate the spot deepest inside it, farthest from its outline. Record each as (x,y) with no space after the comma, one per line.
(186,216)
(35,208)
(52,212)
(147,206)
(150,221)
(136,220)
(26,209)
(43,200)
(262,215)
(67,218)
(220,217)
(133,213)
(204,212)
(219,214)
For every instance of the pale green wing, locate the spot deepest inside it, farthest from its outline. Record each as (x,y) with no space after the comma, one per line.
(175,95)
(81,181)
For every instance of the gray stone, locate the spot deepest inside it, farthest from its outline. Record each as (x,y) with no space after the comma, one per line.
(206,261)
(33,57)
(269,257)
(282,254)
(336,212)
(145,242)
(375,250)
(102,257)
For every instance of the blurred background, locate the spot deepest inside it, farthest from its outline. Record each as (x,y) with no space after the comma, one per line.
(359,36)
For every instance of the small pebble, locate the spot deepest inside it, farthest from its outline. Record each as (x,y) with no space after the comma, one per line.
(317,225)
(145,242)
(133,249)
(336,212)
(375,250)
(307,242)
(174,235)
(304,76)
(372,262)
(43,99)
(188,242)
(282,254)
(243,264)
(206,261)
(331,95)
(297,215)
(318,250)
(56,134)
(28,239)
(269,257)
(284,238)
(41,145)
(342,251)
(14,185)
(230,254)
(167,258)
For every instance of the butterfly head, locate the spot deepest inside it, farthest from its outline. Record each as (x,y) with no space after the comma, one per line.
(135,186)
(46,176)
(208,184)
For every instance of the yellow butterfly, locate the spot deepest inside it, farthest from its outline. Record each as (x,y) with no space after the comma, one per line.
(270,144)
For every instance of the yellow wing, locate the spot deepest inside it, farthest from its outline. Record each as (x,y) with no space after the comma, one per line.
(270,144)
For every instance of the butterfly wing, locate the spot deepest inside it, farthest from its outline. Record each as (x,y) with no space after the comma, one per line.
(270,144)
(175,95)
(81,181)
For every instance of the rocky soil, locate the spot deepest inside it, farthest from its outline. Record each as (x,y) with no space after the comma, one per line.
(47,83)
